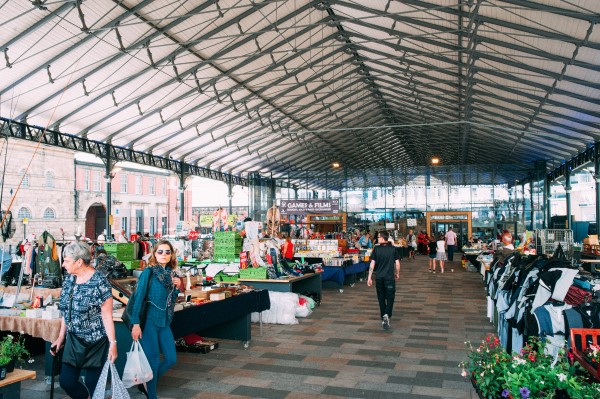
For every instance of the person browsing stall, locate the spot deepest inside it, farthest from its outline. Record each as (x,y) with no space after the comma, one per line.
(161,294)
(365,241)
(385,262)
(87,331)
(287,251)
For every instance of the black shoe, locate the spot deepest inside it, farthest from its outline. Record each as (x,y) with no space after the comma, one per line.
(142,389)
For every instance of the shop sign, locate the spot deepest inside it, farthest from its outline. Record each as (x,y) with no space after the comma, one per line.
(303,207)
(193,235)
(411,222)
(448,217)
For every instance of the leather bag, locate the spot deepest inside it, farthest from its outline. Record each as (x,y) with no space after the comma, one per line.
(126,317)
(81,354)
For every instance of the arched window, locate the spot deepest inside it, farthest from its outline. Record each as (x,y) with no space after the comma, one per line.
(24,213)
(49,179)
(49,214)
(25,179)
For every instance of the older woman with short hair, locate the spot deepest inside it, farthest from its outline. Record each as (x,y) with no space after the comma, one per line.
(87,304)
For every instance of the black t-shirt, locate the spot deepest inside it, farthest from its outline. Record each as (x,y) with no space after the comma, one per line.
(385,257)
(432,246)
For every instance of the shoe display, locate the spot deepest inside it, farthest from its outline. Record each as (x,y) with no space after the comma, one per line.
(386,322)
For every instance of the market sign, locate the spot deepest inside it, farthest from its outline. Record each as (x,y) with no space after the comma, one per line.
(303,207)
(449,217)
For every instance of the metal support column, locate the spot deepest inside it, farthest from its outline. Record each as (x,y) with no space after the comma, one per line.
(532,207)
(182,177)
(568,196)
(108,165)
(230,195)
(597,179)
(548,187)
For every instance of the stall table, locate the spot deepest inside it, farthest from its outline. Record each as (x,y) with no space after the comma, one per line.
(310,282)
(335,274)
(225,319)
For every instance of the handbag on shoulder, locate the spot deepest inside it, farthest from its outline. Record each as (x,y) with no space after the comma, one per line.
(126,317)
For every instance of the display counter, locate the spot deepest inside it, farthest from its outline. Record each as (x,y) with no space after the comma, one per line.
(310,282)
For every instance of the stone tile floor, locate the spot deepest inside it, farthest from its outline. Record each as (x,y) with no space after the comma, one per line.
(341,350)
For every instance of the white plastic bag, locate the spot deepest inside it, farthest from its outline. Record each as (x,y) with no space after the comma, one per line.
(118,390)
(137,368)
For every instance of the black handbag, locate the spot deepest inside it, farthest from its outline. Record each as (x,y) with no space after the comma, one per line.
(81,354)
(126,317)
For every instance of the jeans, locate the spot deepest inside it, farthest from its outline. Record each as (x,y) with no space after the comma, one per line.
(69,381)
(386,293)
(154,341)
(451,252)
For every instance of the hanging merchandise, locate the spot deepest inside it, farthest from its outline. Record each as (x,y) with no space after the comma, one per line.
(8,225)
(48,264)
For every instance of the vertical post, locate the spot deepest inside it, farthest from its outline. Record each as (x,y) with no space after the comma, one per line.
(532,208)
(568,195)
(230,194)
(597,179)
(548,188)
(108,178)
(182,191)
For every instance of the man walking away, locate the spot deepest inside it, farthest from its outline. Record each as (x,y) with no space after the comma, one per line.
(450,243)
(385,262)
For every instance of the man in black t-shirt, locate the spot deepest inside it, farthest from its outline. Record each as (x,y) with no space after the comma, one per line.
(385,261)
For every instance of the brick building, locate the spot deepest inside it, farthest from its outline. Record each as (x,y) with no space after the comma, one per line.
(64,192)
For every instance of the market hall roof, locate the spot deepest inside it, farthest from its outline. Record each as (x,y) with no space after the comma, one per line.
(285,88)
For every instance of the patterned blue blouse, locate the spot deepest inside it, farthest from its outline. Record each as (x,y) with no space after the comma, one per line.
(85,320)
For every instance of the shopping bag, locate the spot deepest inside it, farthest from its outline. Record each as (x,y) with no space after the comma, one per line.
(118,390)
(137,368)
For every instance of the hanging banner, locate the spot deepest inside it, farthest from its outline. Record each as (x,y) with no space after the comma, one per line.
(304,207)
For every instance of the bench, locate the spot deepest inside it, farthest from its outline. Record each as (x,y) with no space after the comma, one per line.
(10,387)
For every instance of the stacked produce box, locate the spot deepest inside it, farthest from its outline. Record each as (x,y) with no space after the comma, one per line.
(123,251)
(228,245)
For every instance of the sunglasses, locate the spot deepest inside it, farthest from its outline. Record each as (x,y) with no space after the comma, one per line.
(166,252)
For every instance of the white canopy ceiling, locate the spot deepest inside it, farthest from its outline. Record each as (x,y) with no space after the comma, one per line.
(287,87)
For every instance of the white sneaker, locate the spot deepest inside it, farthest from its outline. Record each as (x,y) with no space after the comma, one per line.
(386,322)
(442,271)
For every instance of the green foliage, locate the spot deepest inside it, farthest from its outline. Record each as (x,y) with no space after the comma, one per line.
(526,375)
(12,348)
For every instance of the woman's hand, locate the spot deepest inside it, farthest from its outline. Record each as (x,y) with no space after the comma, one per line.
(56,345)
(112,351)
(177,283)
(136,332)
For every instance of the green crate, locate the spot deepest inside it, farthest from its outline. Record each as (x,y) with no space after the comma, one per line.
(256,273)
(131,264)
(226,278)
(220,234)
(229,239)
(228,248)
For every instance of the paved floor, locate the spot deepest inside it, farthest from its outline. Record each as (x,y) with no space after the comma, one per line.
(341,350)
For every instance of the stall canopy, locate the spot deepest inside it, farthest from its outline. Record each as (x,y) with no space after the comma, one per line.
(286,88)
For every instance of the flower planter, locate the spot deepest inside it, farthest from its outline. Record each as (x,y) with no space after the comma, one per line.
(2,372)
(10,367)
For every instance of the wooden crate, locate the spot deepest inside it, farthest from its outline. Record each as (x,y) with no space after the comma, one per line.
(581,338)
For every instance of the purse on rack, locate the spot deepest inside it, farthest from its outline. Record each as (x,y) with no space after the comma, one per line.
(81,354)
(126,317)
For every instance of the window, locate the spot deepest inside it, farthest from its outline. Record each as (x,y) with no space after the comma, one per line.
(164,186)
(25,182)
(164,224)
(124,183)
(151,185)
(125,226)
(24,213)
(49,214)
(152,226)
(97,180)
(86,180)
(138,184)
(49,179)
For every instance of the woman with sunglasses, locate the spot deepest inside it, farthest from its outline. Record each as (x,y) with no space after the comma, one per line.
(161,294)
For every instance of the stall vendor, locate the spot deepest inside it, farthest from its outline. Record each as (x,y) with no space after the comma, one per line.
(365,241)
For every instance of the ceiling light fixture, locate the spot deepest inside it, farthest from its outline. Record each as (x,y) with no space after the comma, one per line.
(335,164)
(435,161)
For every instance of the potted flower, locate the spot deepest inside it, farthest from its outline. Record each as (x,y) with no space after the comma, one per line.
(14,350)
(592,355)
(530,374)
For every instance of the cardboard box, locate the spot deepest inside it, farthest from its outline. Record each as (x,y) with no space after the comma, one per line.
(217,296)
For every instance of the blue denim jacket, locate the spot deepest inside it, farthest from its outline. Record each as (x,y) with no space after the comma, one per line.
(159,311)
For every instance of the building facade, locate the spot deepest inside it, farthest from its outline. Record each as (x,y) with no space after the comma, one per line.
(66,196)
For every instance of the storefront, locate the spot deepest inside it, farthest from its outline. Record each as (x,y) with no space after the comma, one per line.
(440,222)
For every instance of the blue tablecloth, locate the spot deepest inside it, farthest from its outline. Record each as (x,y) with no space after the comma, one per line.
(333,273)
(359,267)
